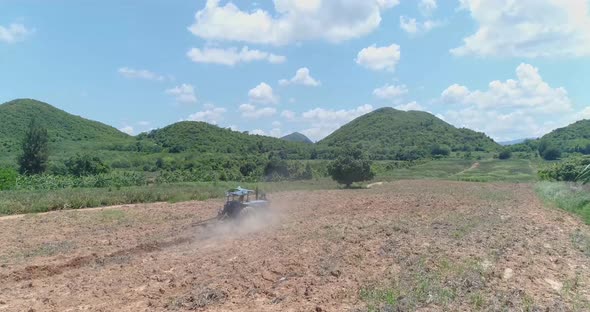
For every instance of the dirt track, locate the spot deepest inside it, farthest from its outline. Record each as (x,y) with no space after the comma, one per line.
(404,246)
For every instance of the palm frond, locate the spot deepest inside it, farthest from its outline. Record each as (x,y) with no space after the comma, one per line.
(584,176)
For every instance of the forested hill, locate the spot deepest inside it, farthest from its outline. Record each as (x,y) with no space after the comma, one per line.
(202,137)
(63,128)
(571,139)
(388,133)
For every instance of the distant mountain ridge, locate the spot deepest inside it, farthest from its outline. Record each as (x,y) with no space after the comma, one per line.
(385,133)
(514,142)
(297,137)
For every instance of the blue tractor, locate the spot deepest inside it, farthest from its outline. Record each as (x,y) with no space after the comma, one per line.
(238,203)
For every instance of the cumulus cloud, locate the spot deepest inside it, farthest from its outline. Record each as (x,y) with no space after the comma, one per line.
(379,58)
(184,93)
(232,56)
(511,109)
(413,27)
(527,28)
(302,77)
(211,114)
(412,106)
(390,92)
(292,21)
(258,132)
(263,94)
(321,122)
(427,7)
(14,32)
(144,74)
(127,129)
(252,112)
(529,91)
(276,132)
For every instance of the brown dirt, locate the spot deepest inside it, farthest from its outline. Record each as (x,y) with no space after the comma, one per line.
(404,246)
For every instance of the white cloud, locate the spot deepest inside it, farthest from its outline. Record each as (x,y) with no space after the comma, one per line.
(528,28)
(14,32)
(390,92)
(144,123)
(263,94)
(287,114)
(276,132)
(184,93)
(127,129)
(585,113)
(322,121)
(412,106)
(276,124)
(379,58)
(302,77)
(250,111)
(232,56)
(427,7)
(131,73)
(413,27)
(211,114)
(292,21)
(529,92)
(258,132)
(522,108)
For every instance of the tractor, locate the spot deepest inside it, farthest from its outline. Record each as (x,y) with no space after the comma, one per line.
(239,205)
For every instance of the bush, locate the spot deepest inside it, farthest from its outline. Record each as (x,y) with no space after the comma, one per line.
(505,154)
(440,150)
(276,169)
(551,153)
(351,166)
(568,170)
(85,165)
(8,178)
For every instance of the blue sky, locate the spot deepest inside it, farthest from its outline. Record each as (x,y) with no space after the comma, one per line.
(512,69)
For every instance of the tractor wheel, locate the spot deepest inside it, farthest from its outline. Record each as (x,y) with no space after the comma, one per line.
(247,212)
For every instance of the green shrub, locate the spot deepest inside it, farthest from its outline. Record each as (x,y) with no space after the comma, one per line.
(85,165)
(440,150)
(568,170)
(551,153)
(8,178)
(505,154)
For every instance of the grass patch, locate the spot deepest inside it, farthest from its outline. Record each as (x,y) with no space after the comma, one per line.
(571,197)
(438,282)
(48,249)
(515,170)
(581,241)
(113,215)
(489,170)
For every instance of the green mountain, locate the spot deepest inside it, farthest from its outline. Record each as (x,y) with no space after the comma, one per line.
(297,137)
(388,133)
(65,131)
(574,138)
(202,137)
